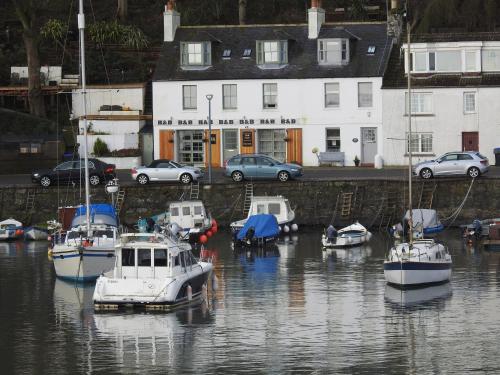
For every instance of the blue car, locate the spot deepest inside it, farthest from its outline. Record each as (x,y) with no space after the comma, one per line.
(254,166)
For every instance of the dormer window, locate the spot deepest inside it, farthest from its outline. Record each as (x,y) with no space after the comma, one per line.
(247,53)
(273,52)
(226,54)
(333,51)
(194,54)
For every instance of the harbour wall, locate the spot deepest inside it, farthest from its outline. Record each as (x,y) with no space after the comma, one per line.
(373,202)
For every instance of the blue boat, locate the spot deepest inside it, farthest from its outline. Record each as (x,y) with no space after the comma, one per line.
(258,230)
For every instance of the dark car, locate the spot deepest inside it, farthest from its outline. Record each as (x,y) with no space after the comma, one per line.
(252,166)
(72,171)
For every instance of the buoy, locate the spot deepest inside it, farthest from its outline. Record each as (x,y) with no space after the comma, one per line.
(209,233)
(203,239)
(19,232)
(286,228)
(214,229)
(295,227)
(189,293)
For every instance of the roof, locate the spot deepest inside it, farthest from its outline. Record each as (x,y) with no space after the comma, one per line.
(302,52)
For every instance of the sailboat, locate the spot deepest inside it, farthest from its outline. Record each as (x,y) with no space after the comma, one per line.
(421,261)
(87,249)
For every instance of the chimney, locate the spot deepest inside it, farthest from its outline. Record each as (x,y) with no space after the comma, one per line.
(171,21)
(394,22)
(316,17)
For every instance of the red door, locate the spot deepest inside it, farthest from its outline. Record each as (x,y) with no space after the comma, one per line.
(470,141)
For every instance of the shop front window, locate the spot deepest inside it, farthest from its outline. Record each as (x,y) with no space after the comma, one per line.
(272,143)
(191,147)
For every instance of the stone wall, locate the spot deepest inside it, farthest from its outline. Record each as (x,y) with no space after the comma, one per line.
(315,201)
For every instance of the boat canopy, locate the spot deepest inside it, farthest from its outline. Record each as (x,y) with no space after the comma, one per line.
(265,226)
(427,218)
(100,213)
(11,223)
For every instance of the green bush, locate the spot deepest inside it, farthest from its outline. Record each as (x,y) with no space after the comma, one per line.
(100,147)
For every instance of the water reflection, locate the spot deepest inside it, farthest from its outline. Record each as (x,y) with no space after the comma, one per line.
(15,248)
(431,295)
(350,254)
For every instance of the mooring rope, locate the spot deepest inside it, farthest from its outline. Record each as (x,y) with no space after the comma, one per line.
(455,214)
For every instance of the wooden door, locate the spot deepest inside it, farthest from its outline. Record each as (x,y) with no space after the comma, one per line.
(294,146)
(470,141)
(167,144)
(247,141)
(215,144)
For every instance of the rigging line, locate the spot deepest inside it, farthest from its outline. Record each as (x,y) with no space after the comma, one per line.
(459,209)
(100,46)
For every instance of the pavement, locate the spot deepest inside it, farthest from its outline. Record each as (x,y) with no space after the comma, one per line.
(310,174)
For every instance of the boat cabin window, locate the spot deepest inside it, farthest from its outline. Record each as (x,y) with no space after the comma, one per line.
(174,211)
(175,260)
(261,209)
(160,257)
(197,210)
(128,257)
(187,259)
(102,233)
(274,208)
(72,235)
(193,259)
(186,211)
(144,257)
(183,262)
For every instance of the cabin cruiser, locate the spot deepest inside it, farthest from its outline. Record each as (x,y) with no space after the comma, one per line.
(278,206)
(82,257)
(10,229)
(352,235)
(189,219)
(154,270)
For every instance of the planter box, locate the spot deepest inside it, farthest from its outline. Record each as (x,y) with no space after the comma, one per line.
(123,162)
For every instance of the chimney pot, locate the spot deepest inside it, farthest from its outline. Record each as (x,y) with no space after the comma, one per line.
(314,4)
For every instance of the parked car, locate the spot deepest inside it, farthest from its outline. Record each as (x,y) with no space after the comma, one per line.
(166,170)
(251,166)
(470,163)
(73,171)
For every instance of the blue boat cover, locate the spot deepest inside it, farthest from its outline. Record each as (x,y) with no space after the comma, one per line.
(99,213)
(265,226)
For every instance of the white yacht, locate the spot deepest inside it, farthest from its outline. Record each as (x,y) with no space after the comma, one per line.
(277,205)
(352,235)
(80,257)
(153,270)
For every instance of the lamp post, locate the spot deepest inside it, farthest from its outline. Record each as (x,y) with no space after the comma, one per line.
(209,98)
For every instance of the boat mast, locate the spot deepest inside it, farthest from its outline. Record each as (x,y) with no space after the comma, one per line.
(81,29)
(408,59)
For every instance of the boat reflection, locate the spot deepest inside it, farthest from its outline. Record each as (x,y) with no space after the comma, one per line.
(287,247)
(11,248)
(73,302)
(351,254)
(417,297)
(259,261)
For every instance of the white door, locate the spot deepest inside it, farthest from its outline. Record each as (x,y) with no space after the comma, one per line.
(368,145)
(229,143)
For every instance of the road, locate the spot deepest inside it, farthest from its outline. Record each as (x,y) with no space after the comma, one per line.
(310,174)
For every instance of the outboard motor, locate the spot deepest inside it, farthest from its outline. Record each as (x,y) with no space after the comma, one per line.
(250,234)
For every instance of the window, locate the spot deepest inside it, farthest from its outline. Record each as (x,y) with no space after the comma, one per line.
(365,99)
(419,61)
(432,61)
(421,103)
(271,143)
(30,148)
(450,157)
(226,54)
(469,102)
(164,165)
(186,211)
(189,97)
(197,210)
(160,257)
(196,54)
(470,61)
(144,257)
(249,161)
(333,51)
(332,96)
(274,208)
(371,50)
(491,60)
(464,157)
(261,208)
(449,61)
(270,95)
(64,166)
(234,161)
(247,53)
(333,140)
(421,143)
(266,161)
(128,257)
(272,52)
(174,211)
(229,97)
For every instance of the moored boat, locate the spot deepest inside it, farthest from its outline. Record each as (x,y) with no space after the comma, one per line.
(34,233)
(352,235)
(258,231)
(492,241)
(10,229)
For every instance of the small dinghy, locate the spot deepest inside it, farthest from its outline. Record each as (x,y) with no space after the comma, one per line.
(10,229)
(352,235)
(36,234)
(258,230)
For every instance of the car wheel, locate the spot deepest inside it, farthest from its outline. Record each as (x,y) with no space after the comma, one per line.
(426,173)
(142,179)
(237,176)
(186,178)
(94,180)
(473,172)
(45,181)
(283,176)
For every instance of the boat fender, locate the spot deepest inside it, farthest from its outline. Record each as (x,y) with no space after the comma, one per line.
(189,292)
(349,239)
(214,229)
(286,228)
(209,233)
(203,239)
(295,227)
(19,232)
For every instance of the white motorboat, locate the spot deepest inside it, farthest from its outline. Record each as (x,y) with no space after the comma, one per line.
(82,257)
(352,235)
(153,270)
(417,262)
(277,205)
(35,234)
(10,229)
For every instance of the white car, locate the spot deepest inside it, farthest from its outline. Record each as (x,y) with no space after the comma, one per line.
(470,163)
(166,170)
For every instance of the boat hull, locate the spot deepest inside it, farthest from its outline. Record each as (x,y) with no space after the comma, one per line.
(35,234)
(412,274)
(82,265)
(346,241)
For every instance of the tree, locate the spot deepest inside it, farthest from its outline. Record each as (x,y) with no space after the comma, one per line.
(26,11)
(122,10)
(242,11)
(491,9)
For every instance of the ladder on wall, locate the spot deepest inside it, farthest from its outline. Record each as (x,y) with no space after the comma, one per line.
(346,204)
(427,195)
(30,206)
(195,190)
(248,198)
(389,211)
(120,198)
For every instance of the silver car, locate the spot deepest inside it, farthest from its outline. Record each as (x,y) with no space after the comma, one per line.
(470,163)
(166,170)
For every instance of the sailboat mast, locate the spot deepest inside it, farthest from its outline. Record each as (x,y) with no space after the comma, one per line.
(81,29)
(408,59)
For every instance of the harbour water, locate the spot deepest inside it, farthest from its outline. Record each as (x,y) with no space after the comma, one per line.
(293,308)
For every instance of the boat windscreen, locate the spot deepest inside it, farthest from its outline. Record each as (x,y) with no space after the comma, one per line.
(160,257)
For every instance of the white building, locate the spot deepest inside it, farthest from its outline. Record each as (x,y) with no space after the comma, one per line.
(282,90)
(455,91)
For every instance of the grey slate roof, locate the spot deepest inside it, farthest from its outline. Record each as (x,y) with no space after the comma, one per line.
(302,52)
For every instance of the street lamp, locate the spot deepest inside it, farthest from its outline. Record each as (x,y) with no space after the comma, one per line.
(209,98)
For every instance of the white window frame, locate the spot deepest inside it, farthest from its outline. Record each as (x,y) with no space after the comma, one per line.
(333,138)
(422,140)
(332,89)
(188,98)
(229,96)
(269,90)
(363,97)
(467,102)
(468,54)
(418,103)
(272,52)
(196,54)
(340,55)
(496,52)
